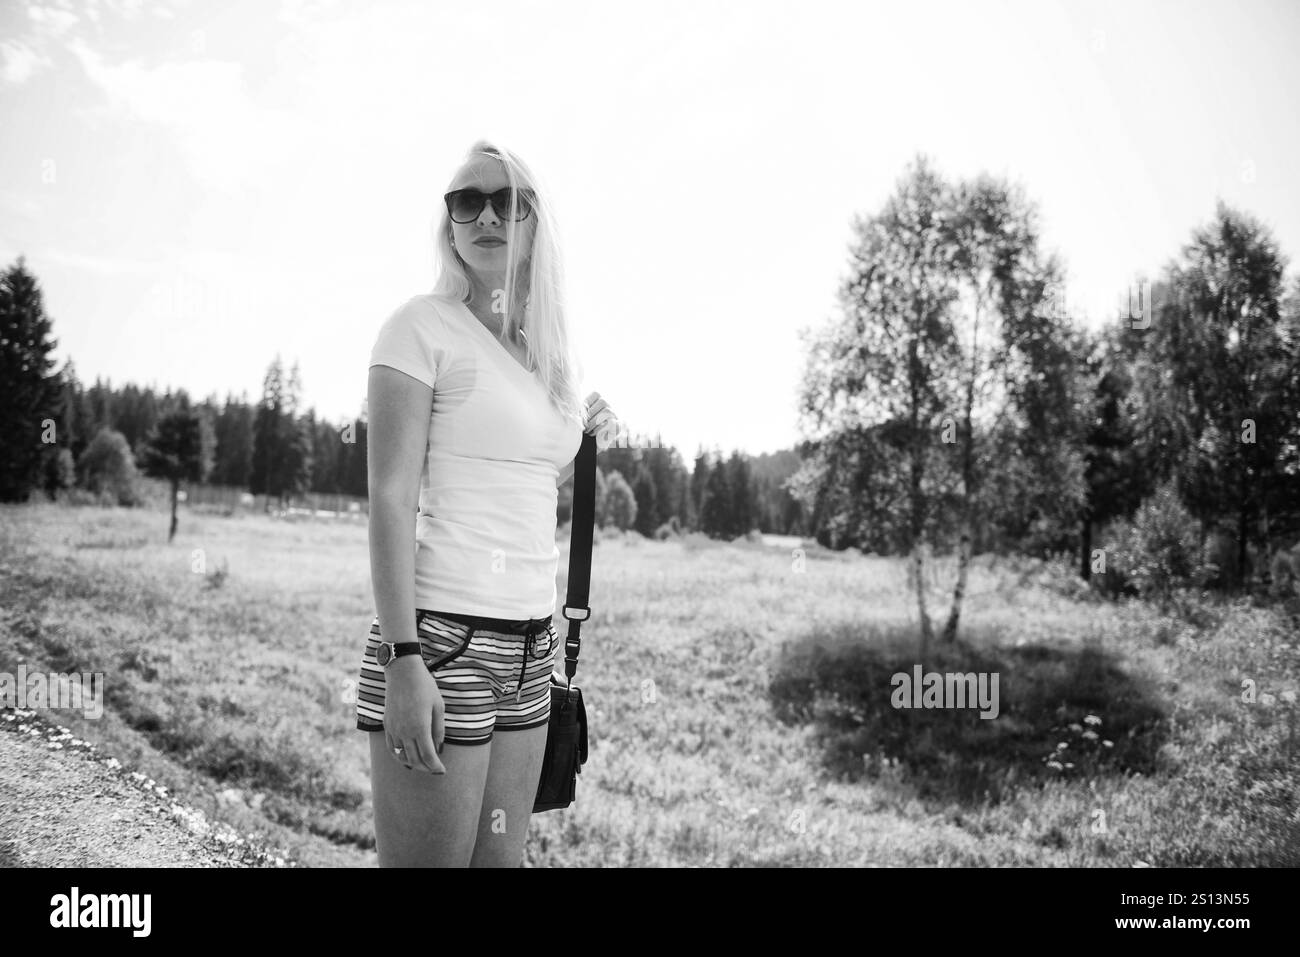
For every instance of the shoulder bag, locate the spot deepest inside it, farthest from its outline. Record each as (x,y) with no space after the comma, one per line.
(566,735)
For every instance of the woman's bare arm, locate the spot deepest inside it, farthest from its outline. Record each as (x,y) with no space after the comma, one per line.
(397,438)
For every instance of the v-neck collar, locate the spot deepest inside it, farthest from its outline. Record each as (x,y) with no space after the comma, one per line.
(474,321)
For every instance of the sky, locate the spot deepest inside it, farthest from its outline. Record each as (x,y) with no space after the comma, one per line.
(200,186)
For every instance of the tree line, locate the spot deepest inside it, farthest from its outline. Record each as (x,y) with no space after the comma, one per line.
(66,436)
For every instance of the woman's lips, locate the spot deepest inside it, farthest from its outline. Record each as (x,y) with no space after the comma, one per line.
(489,241)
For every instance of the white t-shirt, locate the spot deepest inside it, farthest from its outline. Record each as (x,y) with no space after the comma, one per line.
(485,534)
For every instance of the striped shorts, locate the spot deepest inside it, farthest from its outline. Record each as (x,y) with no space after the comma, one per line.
(494,674)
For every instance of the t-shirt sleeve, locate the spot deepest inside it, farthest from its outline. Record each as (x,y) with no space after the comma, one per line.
(410,341)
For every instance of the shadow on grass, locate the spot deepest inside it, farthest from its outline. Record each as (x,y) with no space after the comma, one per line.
(1062,713)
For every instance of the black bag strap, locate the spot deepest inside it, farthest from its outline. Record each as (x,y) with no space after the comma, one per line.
(584,524)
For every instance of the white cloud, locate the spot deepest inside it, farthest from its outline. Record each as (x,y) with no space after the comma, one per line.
(19,61)
(52,21)
(226,138)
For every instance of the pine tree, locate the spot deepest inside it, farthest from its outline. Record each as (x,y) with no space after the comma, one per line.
(699,487)
(30,395)
(715,518)
(646,501)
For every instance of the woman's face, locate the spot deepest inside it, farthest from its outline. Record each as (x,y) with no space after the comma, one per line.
(475,240)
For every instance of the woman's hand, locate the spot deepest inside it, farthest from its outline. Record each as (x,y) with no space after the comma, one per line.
(411,698)
(599,420)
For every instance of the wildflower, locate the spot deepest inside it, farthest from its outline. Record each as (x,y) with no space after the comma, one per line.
(1092,719)
(1091,735)
(1108,744)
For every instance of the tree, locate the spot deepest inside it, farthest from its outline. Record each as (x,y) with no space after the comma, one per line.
(942,336)
(1017,370)
(668,475)
(136,412)
(699,485)
(233,431)
(743,510)
(281,443)
(298,461)
(29,393)
(1114,475)
(685,510)
(646,502)
(890,361)
(1219,379)
(716,518)
(76,423)
(107,468)
(179,449)
(620,503)
(60,473)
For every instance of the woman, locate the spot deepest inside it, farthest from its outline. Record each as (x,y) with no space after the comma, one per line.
(474,420)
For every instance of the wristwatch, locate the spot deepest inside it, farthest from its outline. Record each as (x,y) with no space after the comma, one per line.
(388,651)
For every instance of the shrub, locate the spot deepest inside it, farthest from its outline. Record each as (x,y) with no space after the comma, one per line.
(107,466)
(1157,552)
(1060,574)
(1284,572)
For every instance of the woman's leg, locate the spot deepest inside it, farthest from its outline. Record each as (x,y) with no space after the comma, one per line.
(428,820)
(508,796)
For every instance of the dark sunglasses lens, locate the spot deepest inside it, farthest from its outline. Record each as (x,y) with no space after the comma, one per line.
(465,205)
(501,203)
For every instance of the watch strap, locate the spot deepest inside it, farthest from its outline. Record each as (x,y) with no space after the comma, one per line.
(399,648)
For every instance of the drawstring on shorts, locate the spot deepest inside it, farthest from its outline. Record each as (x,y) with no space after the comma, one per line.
(535,628)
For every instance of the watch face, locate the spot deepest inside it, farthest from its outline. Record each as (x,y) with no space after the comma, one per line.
(385,653)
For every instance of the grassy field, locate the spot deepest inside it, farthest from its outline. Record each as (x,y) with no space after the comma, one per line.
(739,698)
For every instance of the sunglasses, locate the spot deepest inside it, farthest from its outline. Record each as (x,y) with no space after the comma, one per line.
(465,205)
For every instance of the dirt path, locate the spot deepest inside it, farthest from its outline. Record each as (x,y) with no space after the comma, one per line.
(64,803)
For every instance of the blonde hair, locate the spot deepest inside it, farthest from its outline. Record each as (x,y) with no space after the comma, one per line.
(544,324)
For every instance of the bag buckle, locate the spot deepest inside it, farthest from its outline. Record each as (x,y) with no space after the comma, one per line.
(565,612)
